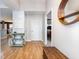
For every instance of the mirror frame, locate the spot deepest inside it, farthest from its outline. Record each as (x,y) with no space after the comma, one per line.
(61,15)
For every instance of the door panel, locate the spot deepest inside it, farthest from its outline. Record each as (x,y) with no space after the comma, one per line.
(34,27)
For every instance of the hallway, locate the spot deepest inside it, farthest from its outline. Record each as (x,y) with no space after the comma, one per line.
(39,29)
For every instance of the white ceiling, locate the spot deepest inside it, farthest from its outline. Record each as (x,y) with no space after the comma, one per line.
(2,5)
(27,5)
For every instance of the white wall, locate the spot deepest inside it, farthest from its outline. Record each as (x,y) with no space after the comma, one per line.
(49,6)
(66,38)
(27,5)
(34,26)
(18,21)
(33,5)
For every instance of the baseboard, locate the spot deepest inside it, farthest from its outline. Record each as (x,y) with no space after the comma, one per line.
(33,40)
(27,40)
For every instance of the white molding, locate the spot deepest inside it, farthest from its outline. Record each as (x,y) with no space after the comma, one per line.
(45,29)
(52,34)
(33,40)
(27,40)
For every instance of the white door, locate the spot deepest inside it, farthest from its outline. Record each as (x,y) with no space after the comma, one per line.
(34,27)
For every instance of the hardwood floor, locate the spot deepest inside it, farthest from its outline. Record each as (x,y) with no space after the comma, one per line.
(31,50)
(53,53)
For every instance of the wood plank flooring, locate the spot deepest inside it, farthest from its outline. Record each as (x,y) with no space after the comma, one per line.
(32,50)
(53,53)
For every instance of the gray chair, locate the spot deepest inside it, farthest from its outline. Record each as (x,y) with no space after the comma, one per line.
(18,39)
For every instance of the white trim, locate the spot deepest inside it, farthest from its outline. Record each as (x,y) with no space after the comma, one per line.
(52,34)
(27,40)
(36,40)
(45,29)
(33,40)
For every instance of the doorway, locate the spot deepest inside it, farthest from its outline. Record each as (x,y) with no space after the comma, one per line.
(49,29)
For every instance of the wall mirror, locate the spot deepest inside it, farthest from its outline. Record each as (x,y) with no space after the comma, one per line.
(68,12)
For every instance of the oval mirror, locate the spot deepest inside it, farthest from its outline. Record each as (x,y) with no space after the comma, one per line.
(68,12)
